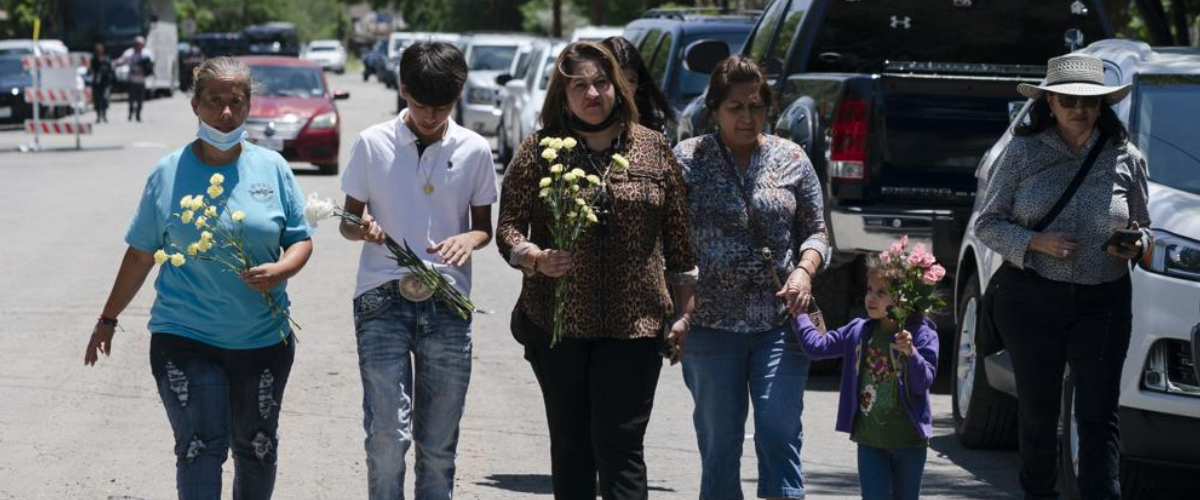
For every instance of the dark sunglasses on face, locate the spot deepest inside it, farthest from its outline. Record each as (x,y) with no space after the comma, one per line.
(1071,101)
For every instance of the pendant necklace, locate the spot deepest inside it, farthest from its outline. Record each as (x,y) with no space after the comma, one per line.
(428,176)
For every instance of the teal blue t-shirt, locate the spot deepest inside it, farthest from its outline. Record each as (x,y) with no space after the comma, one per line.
(203,300)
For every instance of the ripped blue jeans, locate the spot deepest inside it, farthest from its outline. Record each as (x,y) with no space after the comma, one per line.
(217,399)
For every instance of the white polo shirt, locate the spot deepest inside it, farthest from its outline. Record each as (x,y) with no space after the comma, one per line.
(386,173)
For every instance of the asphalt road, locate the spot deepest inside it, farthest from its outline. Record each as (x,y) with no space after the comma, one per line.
(70,432)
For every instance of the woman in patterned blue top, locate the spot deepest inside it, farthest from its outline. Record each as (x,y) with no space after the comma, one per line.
(216,350)
(733,336)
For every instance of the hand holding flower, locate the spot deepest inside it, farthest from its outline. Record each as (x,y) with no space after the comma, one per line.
(455,250)
(553,263)
(263,278)
(903,342)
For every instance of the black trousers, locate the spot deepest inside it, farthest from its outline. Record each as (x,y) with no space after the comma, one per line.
(598,396)
(1047,325)
(137,95)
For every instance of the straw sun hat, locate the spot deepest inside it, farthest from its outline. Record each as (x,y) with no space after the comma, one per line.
(1078,75)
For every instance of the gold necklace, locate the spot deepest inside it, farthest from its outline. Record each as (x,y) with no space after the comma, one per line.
(428,176)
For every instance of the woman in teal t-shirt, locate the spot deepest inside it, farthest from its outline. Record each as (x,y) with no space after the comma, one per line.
(219,353)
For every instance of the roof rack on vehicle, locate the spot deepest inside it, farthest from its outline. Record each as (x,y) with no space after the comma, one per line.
(688,13)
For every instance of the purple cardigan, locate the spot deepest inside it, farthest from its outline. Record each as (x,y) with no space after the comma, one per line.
(849,342)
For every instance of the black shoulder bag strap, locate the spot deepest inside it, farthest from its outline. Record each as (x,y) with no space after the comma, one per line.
(1073,186)
(760,240)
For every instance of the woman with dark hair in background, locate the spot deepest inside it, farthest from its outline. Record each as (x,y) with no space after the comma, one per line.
(653,109)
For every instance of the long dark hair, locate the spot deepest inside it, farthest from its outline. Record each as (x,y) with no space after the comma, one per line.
(652,105)
(1041,119)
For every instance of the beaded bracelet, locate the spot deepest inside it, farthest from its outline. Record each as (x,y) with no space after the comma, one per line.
(106,321)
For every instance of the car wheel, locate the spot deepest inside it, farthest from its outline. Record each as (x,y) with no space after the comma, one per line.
(983,416)
(503,152)
(328,168)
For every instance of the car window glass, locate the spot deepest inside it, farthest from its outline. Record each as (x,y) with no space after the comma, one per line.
(10,66)
(766,29)
(649,45)
(658,69)
(290,81)
(522,64)
(787,34)
(1165,129)
(546,73)
(492,57)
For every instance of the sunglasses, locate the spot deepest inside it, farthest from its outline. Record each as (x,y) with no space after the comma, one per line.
(1071,101)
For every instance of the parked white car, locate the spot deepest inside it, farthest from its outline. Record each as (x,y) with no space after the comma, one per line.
(488,56)
(1160,396)
(524,95)
(398,41)
(595,33)
(330,55)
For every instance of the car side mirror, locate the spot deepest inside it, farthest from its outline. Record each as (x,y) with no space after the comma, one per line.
(503,79)
(341,95)
(702,56)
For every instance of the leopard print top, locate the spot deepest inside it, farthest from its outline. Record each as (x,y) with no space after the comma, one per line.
(618,287)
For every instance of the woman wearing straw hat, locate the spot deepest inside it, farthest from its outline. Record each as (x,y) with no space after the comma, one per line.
(1066,208)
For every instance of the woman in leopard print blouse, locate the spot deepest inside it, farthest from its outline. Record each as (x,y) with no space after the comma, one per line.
(598,382)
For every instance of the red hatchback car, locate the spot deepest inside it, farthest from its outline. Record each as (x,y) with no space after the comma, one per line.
(293,111)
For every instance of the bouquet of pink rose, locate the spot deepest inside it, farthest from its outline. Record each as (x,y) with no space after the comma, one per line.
(912,280)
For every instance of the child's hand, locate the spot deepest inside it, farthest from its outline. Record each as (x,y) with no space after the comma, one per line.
(903,342)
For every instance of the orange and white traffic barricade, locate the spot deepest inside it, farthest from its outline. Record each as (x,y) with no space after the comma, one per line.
(56,82)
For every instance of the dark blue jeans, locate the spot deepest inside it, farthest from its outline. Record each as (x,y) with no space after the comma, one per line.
(216,398)
(890,474)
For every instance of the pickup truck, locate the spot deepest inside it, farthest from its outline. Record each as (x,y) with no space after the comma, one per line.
(896,102)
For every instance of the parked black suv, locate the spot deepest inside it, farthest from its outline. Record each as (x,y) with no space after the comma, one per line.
(896,102)
(662,35)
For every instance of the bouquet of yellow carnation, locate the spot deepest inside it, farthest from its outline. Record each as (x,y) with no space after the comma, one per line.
(226,233)
(570,212)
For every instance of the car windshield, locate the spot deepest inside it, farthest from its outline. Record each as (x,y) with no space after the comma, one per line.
(10,66)
(492,57)
(292,81)
(15,51)
(690,83)
(1167,106)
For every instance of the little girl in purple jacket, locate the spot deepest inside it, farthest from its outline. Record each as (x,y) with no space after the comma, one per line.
(884,403)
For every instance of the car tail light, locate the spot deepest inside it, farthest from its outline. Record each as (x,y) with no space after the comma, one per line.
(848,145)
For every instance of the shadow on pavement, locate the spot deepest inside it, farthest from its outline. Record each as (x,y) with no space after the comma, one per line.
(994,471)
(534,484)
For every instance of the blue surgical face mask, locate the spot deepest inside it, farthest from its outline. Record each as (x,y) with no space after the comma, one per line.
(221,140)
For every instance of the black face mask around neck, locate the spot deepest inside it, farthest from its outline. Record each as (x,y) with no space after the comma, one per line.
(577,124)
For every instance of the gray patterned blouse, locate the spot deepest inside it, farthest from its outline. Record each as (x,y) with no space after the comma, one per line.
(1028,178)
(733,291)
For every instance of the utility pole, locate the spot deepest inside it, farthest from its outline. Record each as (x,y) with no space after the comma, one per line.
(556,27)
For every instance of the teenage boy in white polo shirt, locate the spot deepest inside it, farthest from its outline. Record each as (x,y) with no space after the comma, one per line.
(423,179)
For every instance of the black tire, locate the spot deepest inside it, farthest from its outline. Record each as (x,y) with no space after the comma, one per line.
(328,168)
(503,152)
(1137,482)
(990,417)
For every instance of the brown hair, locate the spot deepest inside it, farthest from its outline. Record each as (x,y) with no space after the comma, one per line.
(554,110)
(733,70)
